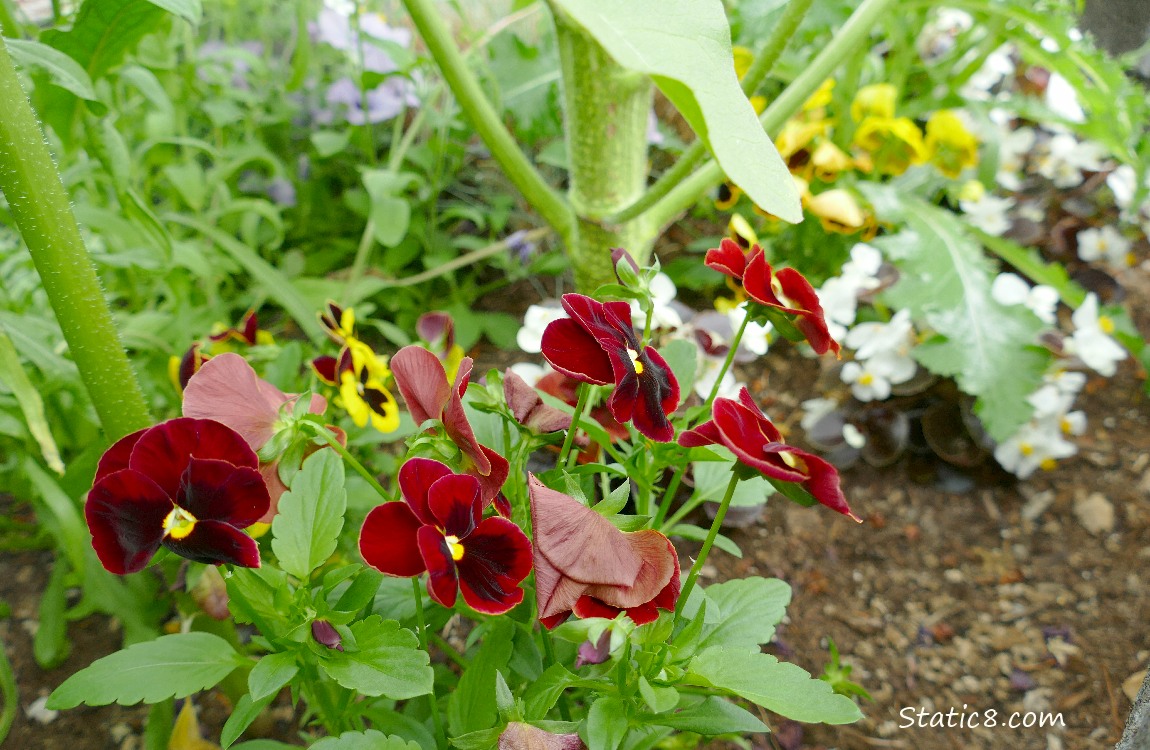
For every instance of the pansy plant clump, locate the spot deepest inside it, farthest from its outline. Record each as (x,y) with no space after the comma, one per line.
(571,573)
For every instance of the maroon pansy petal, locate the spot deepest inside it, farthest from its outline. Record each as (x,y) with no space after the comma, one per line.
(387,541)
(125,512)
(502,505)
(742,434)
(423,382)
(442,578)
(491,484)
(659,397)
(438,330)
(749,423)
(576,353)
(804,301)
(454,501)
(757,280)
(554,621)
(705,434)
(415,479)
(213,490)
(728,258)
(116,458)
(164,450)
(190,364)
(216,543)
(326,369)
(643,614)
(589,606)
(823,483)
(528,408)
(457,426)
(608,322)
(496,559)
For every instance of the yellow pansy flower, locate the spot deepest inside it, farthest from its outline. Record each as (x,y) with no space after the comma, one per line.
(828,161)
(875,100)
(951,146)
(838,211)
(821,97)
(894,143)
(362,388)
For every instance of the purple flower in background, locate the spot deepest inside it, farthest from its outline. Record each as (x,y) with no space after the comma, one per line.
(337,29)
(226,64)
(384,102)
(282,192)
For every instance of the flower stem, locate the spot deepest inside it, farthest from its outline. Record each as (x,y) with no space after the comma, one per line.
(580,405)
(707,544)
(7,687)
(730,358)
(549,657)
(437,720)
(43,213)
(669,495)
(352,461)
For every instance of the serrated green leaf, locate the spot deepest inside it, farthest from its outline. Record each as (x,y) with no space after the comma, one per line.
(607,723)
(172,666)
(777,686)
(245,712)
(387,661)
(310,515)
(685,46)
(745,611)
(367,740)
(271,673)
(543,693)
(61,69)
(711,717)
(260,596)
(945,282)
(658,699)
(484,739)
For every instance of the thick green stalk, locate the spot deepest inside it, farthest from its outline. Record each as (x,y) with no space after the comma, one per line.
(428,18)
(43,214)
(607,109)
(853,33)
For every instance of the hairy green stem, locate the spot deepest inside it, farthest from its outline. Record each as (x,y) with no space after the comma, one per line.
(43,214)
(697,151)
(707,544)
(428,19)
(853,33)
(436,719)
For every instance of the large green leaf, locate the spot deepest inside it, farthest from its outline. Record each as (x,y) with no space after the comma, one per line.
(746,611)
(60,68)
(172,666)
(685,46)
(776,686)
(710,717)
(366,740)
(386,661)
(945,282)
(310,515)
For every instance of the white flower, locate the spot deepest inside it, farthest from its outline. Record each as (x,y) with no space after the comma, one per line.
(998,65)
(871,379)
(728,388)
(1066,381)
(1050,402)
(1123,182)
(864,263)
(39,712)
(530,372)
(1105,242)
(871,339)
(938,36)
(1009,289)
(756,336)
(1035,445)
(1062,99)
(853,437)
(1013,147)
(1065,157)
(1032,211)
(814,409)
(988,213)
(1091,342)
(663,293)
(535,320)
(839,294)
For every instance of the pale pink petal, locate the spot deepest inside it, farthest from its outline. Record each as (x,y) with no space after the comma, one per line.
(230,392)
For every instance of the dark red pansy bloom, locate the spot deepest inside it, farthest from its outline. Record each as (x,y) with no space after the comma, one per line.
(528,408)
(742,428)
(439,528)
(786,290)
(597,344)
(246,331)
(583,564)
(423,382)
(181,370)
(191,485)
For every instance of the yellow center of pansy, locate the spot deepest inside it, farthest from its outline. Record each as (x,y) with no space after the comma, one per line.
(454,547)
(179,523)
(1106,324)
(1026,449)
(634,355)
(866,378)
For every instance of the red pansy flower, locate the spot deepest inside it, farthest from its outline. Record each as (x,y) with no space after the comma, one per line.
(246,332)
(191,485)
(786,290)
(423,382)
(742,428)
(597,344)
(227,390)
(583,564)
(439,529)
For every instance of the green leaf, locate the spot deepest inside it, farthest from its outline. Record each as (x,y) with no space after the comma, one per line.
(712,477)
(310,515)
(658,699)
(945,283)
(31,405)
(390,211)
(61,69)
(367,740)
(260,596)
(271,673)
(63,517)
(543,693)
(472,705)
(172,666)
(387,661)
(685,46)
(330,142)
(484,739)
(682,357)
(711,717)
(615,501)
(607,723)
(746,611)
(699,534)
(51,645)
(245,712)
(776,686)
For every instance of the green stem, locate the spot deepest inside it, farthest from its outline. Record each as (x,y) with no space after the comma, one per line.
(669,494)
(549,657)
(448,650)
(853,33)
(684,510)
(697,151)
(359,263)
(728,360)
(351,460)
(568,441)
(465,260)
(707,544)
(8,690)
(428,19)
(436,719)
(43,214)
